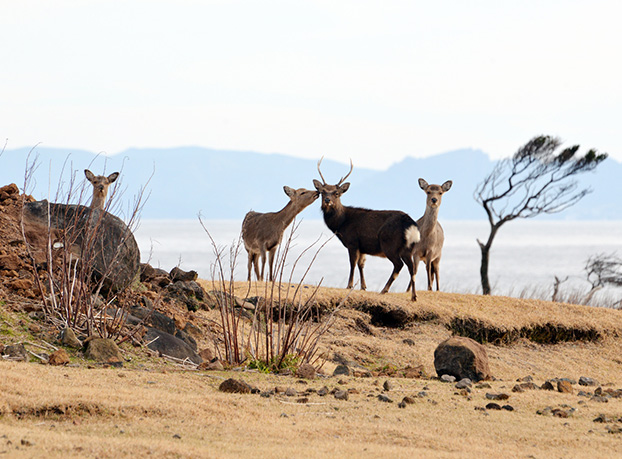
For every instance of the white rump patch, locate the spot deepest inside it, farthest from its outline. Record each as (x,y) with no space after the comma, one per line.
(412,235)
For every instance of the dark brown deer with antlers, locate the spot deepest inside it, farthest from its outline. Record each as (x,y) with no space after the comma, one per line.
(383,233)
(263,232)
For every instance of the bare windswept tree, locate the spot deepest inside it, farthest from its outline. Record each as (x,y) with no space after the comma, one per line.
(604,269)
(536,180)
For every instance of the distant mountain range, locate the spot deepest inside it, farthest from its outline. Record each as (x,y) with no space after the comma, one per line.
(227,184)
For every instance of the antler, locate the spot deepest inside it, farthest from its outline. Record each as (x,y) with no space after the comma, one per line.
(343,178)
(318,169)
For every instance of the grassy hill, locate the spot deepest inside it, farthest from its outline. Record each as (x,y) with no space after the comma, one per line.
(152,407)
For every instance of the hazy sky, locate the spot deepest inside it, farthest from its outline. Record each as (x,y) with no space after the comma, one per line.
(375,81)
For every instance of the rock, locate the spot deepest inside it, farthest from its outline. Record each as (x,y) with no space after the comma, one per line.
(524,386)
(341,370)
(448,378)
(214,365)
(500,396)
(527,378)
(180,275)
(190,293)
(59,357)
(306,371)
(603,418)
(463,383)
(11,262)
(114,254)
(507,407)
(323,391)
(388,385)
(408,400)
(548,385)
(234,386)
(16,352)
(493,406)
(167,344)
(599,399)
(413,372)
(384,398)
(341,395)
(291,392)
(585,381)
(408,341)
(67,337)
(153,318)
(206,354)
(186,338)
(103,350)
(564,387)
(462,358)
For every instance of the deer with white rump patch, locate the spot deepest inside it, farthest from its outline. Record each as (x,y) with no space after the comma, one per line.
(383,233)
(432,237)
(100,187)
(263,232)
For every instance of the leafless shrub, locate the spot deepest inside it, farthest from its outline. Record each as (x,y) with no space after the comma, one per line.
(285,329)
(79,261)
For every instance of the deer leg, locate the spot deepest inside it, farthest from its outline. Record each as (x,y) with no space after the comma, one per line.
(262,256)
(271,262)
(408,261)
(416,261)
(361,265)
(397,267)
(256,264)
(435,271)
(354,257)
(429,270)
(250,265)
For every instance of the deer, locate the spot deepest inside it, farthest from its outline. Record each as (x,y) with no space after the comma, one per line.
(262,232)
(384,233)
(430,247)
(100,187)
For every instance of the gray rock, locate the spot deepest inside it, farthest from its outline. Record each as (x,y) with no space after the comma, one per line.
(16,352)
(341,370)
(341,395)
(388,385)
(67,337)
(103,350)
(384,398)
(234,386)
(585,381)
(448,378)
(167,344)
(463,383)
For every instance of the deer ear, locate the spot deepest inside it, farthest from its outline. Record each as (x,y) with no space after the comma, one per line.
(318,185)
(289,191)
(89,175)
(423,184)
(343,188)
(447,185)
(112,177)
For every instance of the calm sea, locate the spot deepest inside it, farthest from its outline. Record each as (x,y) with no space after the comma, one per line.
(526,254)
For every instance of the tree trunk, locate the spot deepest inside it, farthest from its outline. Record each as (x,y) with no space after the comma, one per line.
(483,270)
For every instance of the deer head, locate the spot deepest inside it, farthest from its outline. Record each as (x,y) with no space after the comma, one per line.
(100,187)
(434,192)
(301,197)
(331,194)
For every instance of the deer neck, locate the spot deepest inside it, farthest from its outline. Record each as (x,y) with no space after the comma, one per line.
(429,220)
(287,214)
(335,217)
(98,202)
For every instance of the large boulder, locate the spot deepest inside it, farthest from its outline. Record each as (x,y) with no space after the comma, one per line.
(462,358)
(94,236)
(167,344)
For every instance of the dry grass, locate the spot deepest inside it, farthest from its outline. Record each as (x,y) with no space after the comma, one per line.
(152,409)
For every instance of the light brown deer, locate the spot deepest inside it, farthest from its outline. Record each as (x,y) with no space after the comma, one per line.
(382,233)
(263,232)
(100,187)
(430,247)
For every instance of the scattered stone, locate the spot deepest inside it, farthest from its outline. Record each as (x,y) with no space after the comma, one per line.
(413,372)
(343,382)
(16,352)
(103,350)
(306,371)
(408,341)
(341,395)
(67,337)
(464,383)
(384,398)
(214,365)
(234,386)
(291,392)
(599,399)
(548,385)
(303,400)
(408,400)
(388,385)
(527,378)
(585,381)
(500,396)
(563,411)
(323,391)
(524,386)
(507,407)
(448,378)
(614,429)
(401,404)
(422,394)
(352,390)
(603,418)
(180,275)
(341,370)
(463,358)
(564,387)
(493,406)
(166,344)
(59,357)
(483,385)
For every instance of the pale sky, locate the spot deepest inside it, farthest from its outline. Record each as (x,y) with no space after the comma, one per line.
(374,81)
